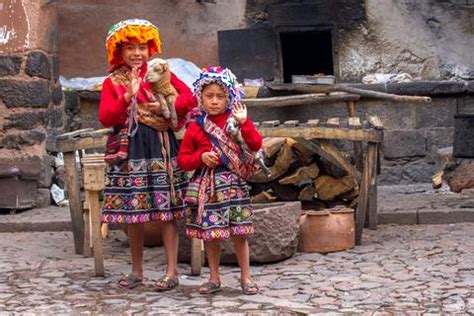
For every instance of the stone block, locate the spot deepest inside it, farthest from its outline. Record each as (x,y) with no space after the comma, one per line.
(25,121)
(390,175)
(470,86)
(418,171)
(20,93)
(38,65)
(394,116)
(276,235)
(51,139)
(437,138)
(72,101)
(10,65)
(43,198)
(55,67)
(16,141)
(55,118)
(45,178)
(399,218)
(439,113)
(445,216)
(57,95)
(466,104)
(404,143)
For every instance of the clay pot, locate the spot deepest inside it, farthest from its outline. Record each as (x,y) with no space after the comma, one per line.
(152,234)
(327,231)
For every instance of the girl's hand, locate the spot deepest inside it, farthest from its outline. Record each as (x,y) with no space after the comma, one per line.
(134,85)
(240,113)
(209,159)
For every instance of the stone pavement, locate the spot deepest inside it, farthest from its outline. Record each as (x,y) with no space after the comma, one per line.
(420,269)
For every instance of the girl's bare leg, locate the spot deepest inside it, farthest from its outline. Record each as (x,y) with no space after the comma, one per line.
(213,251)
(241,247)
(136,238)
(171,242)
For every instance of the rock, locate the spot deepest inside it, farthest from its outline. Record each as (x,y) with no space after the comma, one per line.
(275,239)
(460,175)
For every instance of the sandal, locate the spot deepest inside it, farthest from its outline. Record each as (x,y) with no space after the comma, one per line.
(130,281)
(170,283)
(249,287)
(210,288)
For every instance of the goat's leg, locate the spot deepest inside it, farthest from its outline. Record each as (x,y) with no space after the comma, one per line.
(174,117)
(164,106)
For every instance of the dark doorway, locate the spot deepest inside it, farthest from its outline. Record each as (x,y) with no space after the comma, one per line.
(306,53)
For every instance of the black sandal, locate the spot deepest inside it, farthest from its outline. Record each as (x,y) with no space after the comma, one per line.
(249,287)
(130,281)
(170,283)
(210,288)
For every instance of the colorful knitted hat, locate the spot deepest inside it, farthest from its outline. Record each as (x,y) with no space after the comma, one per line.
(143,30)
(222,76)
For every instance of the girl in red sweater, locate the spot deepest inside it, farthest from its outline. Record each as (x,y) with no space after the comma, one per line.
(148,185)
(218,196)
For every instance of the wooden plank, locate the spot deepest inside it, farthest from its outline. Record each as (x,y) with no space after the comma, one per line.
(354,123)
(68,145)
(302,99)
(375,122)
(270,123)
(313,122)
(351,108)
(322,132)
(291,123)
(75,203)
(94,210)
(87,228)
(372,152)
(333,122)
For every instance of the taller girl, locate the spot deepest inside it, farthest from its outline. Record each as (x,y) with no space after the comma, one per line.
(148,185)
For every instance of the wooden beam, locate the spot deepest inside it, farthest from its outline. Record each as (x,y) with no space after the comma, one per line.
(310,89)
(322,132)
(304,99)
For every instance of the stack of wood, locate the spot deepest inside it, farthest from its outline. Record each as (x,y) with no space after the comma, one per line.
(314,172)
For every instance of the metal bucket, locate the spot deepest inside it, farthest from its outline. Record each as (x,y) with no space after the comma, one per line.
(463,145)
(327,231)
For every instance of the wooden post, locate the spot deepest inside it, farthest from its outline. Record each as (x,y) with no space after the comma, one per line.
(87,228)
(75,203)
(363,193)
(372,199)
(357,145)
(93,174)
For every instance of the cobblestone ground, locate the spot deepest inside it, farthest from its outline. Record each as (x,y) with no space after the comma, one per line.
(420,269)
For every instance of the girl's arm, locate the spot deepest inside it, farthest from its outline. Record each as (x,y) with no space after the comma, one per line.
(189,156)
(112,109)
(251,136)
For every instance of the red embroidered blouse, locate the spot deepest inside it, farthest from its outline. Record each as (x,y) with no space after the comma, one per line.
(113,107)
(196,142)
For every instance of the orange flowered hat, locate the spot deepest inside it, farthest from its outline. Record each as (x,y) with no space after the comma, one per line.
(144,31)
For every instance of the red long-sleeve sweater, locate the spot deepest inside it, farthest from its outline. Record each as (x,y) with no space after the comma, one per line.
(196,142)
(113,107)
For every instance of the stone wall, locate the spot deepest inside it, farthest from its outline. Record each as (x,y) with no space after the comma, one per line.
(31,99)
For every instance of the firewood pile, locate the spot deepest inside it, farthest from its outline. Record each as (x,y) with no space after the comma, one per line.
(314,172)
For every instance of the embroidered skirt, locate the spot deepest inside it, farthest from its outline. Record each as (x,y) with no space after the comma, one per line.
(138,190)
(227,211)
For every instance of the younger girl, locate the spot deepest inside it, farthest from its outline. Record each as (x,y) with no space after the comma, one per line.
(218,197)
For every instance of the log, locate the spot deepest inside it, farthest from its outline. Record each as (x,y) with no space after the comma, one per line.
(307,194)
(280,167)
(310,89)
(271,145)
(286,192)
(302,174)
(304,154)
(327,187)
(263,197)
